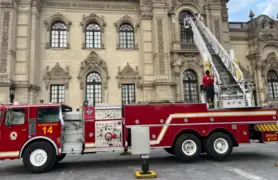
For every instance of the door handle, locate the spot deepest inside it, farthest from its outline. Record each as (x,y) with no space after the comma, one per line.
(23,129)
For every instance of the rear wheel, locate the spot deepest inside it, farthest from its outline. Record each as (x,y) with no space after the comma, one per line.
(219,146)
(39,157)
(188,147)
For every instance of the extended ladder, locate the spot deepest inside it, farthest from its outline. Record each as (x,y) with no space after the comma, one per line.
(231,90)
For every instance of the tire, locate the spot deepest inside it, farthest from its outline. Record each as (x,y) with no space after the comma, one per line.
(194,143)
(42,150)
(60,158)
(170,150)
(219,153)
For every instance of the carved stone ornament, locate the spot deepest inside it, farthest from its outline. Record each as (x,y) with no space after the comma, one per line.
(177,4)
(127,19)
(5,42)
(266,28)
(93,18)
(57,75)
(128,75)
(57,17)
(93,63)
(146,15)
(271,62)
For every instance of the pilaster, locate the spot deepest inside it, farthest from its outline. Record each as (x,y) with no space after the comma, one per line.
(162,85)
(146,66)
(8,21)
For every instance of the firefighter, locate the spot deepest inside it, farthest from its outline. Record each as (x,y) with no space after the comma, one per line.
(208,81)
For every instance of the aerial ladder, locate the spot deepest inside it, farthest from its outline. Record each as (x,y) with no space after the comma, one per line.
(231,89)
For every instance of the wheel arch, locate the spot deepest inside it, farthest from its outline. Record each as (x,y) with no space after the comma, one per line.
(185,131)
(225,131)
(36,139)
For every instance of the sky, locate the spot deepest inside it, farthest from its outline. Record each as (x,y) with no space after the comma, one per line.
(238,10)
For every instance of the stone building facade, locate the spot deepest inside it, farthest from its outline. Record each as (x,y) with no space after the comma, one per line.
(124,51)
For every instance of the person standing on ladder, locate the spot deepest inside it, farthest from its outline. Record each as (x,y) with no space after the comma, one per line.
(208,81)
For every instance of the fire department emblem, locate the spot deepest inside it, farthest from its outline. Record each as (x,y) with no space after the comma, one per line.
(13,135)
(89,111)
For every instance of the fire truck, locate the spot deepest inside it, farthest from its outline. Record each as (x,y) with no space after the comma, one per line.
(43,134)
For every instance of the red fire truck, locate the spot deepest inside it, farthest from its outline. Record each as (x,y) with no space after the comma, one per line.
(43,134)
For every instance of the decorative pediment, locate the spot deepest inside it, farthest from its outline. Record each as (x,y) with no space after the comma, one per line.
(57,17)
(93,18)
(265,27)
(128,75)
(93,63)
(129,20)
(57,75)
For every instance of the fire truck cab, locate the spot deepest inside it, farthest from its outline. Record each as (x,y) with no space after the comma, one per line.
(31,132)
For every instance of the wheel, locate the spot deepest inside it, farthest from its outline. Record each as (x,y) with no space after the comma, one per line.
(60,158)
(188,147)
(39,157)
(219,146)
(170,150)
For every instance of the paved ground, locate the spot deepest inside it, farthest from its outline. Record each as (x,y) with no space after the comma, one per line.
(254,162)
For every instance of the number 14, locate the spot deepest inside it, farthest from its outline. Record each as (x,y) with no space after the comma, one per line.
(47,130)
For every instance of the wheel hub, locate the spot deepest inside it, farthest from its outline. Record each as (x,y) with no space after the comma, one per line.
(189,147)
(38,157)
(221,146)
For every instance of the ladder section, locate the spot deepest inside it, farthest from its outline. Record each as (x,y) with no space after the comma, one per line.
(230,89)
(229,71)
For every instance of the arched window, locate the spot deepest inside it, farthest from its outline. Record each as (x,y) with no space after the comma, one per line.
(190,86)
(186,34)
(272,80)
(58,35)
(93,36)
(93,88)
(126,36)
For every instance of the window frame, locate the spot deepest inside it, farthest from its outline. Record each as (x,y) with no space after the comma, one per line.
(50,93)
(65,35)
(126,41)
(93,31)
(128,92)
(8,111)
(190,82)
(94,83)
(270,81)
(45,122)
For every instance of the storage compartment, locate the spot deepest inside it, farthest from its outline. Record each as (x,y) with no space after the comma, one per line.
(73,148)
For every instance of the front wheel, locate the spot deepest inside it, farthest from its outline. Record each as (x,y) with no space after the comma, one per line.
(219,146)
(39,157)
(188,147)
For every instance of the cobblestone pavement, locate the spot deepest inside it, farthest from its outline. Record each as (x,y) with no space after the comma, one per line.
(254,162)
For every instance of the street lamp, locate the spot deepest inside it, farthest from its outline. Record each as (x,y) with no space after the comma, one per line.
(12,92)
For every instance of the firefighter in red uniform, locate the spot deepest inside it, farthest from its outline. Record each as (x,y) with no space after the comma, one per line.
(208,81)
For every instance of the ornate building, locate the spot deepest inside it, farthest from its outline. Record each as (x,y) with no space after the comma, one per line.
(124,51)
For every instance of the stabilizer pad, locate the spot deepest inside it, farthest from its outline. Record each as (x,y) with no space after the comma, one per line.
(141,175)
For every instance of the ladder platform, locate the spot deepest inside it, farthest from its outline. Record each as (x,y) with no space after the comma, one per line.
(223,108)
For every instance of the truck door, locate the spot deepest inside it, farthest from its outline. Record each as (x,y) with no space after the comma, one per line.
(13,131)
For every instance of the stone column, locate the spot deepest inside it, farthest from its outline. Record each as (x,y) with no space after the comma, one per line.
(146,65)
(177,73)
(260,83)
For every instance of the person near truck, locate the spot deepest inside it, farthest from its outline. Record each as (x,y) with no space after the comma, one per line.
(208,81)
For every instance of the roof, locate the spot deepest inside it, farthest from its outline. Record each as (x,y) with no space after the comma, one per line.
(34,105)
